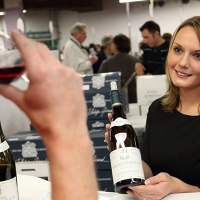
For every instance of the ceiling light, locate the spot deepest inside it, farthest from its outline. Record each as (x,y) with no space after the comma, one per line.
(2,13)
(126,1)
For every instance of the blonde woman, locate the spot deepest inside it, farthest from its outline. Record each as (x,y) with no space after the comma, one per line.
(171,147)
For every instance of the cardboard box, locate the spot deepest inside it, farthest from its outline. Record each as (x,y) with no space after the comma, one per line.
(98,105)
(34,168)
(100,82)
(101,153)
(134,110)
(144,109)
(138,123)
(150,87)
(105,180)
(97,124)
(27,146)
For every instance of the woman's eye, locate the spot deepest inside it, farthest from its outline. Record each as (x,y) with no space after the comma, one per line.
(197,56)
(177,50)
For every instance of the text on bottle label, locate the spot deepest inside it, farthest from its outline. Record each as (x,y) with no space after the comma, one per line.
(126,163)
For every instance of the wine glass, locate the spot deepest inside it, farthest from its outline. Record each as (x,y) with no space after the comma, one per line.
(11,64)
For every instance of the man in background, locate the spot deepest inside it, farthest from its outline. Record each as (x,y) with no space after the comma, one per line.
(104,53)
(122,62)
(154,52)
(74,55)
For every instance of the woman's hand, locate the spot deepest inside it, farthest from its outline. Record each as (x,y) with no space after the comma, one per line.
(155,188)
(107,133)
(159,186)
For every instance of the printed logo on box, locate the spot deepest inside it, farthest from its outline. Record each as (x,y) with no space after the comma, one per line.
(98,82)
(29,150)
(98,124)
(98,100)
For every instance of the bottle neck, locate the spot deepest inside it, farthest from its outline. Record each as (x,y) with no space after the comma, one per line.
(117,107)
(2,136)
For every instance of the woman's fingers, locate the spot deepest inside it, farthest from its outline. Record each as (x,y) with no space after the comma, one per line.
(110,116)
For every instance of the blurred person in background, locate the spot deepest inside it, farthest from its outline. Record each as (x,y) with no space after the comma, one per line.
(104,53)
(167,36)
(97,47)
(74,54)
(122,62)
(155,51)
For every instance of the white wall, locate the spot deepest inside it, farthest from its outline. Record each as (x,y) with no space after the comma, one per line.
(113,19)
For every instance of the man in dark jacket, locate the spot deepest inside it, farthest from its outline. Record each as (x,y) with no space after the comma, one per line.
(122,62)
(154,52)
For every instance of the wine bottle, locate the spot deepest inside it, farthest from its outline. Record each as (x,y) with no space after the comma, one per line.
(125,157)
(8,179)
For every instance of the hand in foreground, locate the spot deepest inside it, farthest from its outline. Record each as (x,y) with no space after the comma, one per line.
(54,92)
(55,104)
(139,69)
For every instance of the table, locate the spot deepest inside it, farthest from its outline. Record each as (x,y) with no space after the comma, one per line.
(34,188)
(181,196)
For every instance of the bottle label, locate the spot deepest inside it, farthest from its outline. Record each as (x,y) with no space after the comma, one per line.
(126,163)
(119,122)
(4,146)
(8,189)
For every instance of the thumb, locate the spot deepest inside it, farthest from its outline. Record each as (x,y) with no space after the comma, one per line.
(153,180)
(12,93)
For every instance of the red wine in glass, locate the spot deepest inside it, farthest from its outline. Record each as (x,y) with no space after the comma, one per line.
(9,74)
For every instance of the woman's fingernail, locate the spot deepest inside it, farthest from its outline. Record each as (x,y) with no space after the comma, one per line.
(147,182)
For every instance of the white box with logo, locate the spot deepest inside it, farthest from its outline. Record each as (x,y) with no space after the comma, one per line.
(150,88)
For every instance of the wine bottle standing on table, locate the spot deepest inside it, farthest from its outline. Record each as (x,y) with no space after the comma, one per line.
(125,157)
(8,179)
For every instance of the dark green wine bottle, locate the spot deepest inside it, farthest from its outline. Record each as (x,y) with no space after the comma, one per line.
(124,150)
(8,179)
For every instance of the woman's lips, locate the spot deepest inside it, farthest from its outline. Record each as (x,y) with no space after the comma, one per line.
(182,74)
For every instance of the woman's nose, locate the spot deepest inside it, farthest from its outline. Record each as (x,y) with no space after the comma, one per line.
(184,61)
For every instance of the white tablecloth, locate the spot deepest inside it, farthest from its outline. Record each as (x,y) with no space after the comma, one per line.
(33,188)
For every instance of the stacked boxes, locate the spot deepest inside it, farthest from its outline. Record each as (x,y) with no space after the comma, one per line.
(29,154)
(102,160)
(97,94)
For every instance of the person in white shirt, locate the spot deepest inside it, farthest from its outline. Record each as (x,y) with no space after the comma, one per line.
(74,55)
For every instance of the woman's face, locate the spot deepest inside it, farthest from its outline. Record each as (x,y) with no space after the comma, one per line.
(184,59)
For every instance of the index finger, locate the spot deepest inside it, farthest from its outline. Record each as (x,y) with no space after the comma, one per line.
(27,47)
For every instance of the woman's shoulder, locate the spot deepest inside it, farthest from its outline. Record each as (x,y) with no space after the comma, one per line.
(157,102)
(156,105)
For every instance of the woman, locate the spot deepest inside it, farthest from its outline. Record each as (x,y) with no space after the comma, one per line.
(171,148)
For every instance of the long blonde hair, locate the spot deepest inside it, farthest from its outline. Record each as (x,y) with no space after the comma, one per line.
(172,98)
